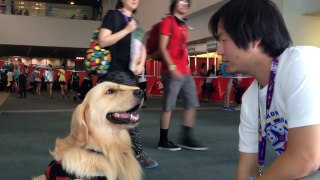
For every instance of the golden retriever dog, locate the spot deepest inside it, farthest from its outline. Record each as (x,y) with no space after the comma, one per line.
(99,145)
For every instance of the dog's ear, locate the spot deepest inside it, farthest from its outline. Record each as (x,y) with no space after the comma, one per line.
(79,128)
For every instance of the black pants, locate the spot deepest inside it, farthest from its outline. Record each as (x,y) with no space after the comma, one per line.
(22,89)
(143,86)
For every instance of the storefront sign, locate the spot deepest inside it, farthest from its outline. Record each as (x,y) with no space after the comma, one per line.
(212,45)
(197,49)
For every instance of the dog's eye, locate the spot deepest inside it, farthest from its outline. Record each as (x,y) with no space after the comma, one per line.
(110,91)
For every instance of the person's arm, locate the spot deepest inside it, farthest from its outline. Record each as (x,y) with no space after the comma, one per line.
(247,165)
(301,158)
(107,38)
(164,41)
(140,66)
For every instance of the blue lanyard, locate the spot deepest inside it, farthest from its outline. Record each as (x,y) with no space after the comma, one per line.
(262,139)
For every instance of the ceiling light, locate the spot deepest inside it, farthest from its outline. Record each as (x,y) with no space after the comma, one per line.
(72,3)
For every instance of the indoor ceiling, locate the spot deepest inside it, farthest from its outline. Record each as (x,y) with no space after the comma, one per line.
(40,51)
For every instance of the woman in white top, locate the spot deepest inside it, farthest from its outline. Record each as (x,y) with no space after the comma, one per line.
(48,78)
(9,81)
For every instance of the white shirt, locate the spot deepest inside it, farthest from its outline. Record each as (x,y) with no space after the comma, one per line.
(10,76)
(295,101)
(48,75)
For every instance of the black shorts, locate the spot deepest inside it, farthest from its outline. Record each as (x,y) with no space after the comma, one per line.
(62,82)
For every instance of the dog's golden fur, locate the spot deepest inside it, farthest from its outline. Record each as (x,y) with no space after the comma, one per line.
(90,129)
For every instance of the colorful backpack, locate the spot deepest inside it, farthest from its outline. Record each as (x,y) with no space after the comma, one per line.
(97,58)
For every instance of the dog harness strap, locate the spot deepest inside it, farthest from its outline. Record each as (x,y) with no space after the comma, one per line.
(56,172)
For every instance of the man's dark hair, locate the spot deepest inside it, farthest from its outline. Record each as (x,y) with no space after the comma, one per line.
(174,4)
(248,20)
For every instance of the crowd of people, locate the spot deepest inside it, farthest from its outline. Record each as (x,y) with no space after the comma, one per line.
(18,79)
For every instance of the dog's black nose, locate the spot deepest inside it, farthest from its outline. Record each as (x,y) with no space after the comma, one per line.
(138,93)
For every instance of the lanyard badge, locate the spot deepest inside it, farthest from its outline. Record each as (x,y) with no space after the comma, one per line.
(262,138)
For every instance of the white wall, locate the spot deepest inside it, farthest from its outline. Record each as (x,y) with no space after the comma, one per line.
(46,31)
(304,29)
(199,22)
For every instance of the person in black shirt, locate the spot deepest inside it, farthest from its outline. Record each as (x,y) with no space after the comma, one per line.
(115,34)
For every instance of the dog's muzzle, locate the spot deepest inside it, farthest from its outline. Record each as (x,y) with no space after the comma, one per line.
(130,117)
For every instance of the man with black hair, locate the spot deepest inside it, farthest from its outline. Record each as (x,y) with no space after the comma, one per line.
(177,78)
(280,106)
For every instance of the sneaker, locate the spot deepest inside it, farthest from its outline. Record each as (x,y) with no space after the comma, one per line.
(238,108)
(168,145)
(228,108)
(193,145)
(146,162)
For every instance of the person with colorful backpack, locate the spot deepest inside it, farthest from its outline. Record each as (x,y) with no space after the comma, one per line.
(116,35)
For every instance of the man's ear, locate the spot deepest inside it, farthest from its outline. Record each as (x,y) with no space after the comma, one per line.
(256,43)
(79,128)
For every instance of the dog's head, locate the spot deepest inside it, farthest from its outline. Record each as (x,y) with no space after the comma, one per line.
(107,107)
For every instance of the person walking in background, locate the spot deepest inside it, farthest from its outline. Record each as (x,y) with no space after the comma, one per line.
(9,80)
(32,83)
(115,33)
(62,80)
(208,86)
(226,96)
(203,70)
(238,91)
(48,79)
(16,73)
(37,78)
(280,106)
(22,80)
(86,85)
(227,93)
(177,78)
(74,82)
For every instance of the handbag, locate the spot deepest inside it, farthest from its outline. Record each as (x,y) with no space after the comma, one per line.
(97,58)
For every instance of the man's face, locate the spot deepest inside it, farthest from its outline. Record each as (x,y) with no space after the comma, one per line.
(182,6)
(237,59)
